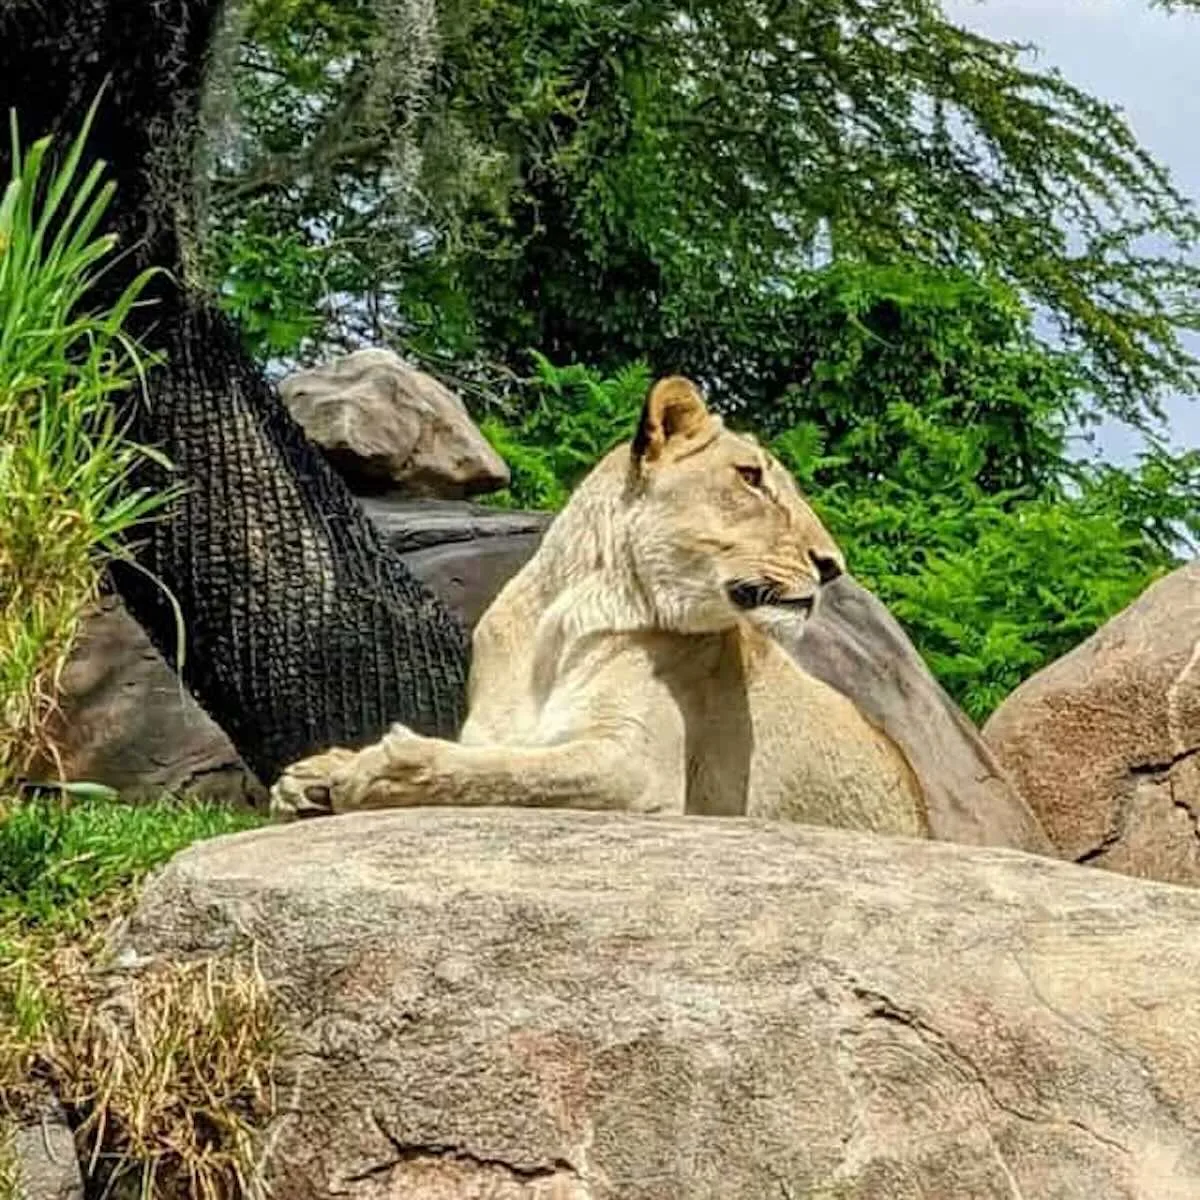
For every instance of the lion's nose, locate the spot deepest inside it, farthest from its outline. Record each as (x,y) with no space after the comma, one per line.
(828,567)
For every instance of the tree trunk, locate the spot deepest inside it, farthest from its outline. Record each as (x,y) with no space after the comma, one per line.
(302,628)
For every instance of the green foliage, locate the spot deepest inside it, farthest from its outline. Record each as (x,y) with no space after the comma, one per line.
(66,466)
(932,439)
(993,588)
(933,434)
(332,177)
(612,182)
(273,286)
(59,860)
(571,418)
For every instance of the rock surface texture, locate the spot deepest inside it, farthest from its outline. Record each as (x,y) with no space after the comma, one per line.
(47,1165)
(387,426)
(1105,743)
(127,722)
(854,644)
(466,553)
(566,1006)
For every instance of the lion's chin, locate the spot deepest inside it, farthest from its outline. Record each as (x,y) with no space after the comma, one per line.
(778,621)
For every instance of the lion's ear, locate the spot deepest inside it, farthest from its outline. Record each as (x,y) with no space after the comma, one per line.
(674,408)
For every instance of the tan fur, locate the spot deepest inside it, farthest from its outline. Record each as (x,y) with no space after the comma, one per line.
(615,671)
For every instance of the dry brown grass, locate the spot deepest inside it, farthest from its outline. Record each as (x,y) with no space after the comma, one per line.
(168,1072)
(177,1078)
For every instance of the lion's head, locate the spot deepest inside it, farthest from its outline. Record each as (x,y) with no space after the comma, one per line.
(718,528)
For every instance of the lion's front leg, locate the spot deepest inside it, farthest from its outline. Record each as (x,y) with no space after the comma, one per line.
(303,790)
(404,769)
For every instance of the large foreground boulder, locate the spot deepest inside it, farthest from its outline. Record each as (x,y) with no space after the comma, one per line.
(1105,742)
(563,1006)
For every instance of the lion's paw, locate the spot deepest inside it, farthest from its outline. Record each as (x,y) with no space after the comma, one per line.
(306,788)
(397,772)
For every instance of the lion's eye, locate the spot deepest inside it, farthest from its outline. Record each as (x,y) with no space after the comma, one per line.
(752,475)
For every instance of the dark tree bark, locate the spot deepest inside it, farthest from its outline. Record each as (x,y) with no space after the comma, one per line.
(303,629)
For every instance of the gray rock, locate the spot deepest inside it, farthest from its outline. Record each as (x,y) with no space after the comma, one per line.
(1105,742)
(525,1005)
(47,1165)
(854,644)
(387,426)
(466,553)
(413,524)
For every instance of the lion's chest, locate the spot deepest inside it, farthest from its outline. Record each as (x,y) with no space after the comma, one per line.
(708,684)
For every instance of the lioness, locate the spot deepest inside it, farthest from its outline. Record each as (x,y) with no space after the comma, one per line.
(629,665)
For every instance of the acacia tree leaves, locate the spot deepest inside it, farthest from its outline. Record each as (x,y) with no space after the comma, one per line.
(316,147)
(607,181)
(683,164)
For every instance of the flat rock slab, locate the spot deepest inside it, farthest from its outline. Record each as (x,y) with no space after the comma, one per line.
(409,525)
(465,552)
(519,1005)
(47,1166)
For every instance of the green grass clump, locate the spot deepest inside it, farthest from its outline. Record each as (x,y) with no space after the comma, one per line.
(60,861)
(66,871)
(66,466)
(170,1098)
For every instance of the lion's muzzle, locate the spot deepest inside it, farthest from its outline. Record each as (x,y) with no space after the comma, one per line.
(748,594)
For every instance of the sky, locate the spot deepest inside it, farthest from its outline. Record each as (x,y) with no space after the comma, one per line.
(1147,63)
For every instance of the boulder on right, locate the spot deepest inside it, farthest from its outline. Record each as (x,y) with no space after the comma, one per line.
(1104,744)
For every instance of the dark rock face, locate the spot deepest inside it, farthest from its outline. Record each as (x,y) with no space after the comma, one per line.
(464,552)
(129,723)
